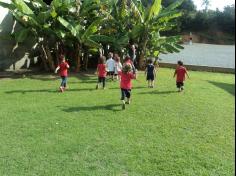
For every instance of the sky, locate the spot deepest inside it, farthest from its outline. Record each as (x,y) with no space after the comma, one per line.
(214,4)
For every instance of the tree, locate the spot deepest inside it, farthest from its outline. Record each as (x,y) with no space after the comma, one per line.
(87,26)
(206,4)
(147,32)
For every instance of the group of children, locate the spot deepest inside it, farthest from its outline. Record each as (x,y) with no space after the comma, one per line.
(124,73)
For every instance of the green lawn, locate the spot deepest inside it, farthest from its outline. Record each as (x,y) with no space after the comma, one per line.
(85,132)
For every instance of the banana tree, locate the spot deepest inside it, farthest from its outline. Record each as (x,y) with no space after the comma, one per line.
(153,20)
(35,20)
(82,29)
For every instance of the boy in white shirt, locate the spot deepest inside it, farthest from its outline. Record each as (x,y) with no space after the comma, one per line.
(110,63)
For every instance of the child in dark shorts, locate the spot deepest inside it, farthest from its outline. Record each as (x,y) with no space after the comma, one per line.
(150,73)
(180,74)
(126,76)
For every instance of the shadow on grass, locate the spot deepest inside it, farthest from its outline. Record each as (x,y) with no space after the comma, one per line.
(46,91)
(110,107)
(160,92)
(230,88)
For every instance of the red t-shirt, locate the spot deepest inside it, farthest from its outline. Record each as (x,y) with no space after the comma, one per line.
(102,70)
(126,78)
(180,72)
(63,69)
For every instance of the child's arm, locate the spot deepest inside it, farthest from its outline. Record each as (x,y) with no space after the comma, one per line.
(57,69)
(67,66)
(175,73)
(155,72)
(187,74)
(97,71)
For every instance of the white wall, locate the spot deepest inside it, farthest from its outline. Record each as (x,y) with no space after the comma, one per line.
(10,60)
(3,11)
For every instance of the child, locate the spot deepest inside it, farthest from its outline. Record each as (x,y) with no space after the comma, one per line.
(128,61)
(118,66)
(110,63)
(180,73)
(102,72)
(63,67)
(125,83)
(150,73)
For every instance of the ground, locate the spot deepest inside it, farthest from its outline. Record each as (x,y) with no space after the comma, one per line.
(85,132)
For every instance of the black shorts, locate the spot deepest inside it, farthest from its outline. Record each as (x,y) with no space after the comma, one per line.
(150,78)
(101,79)
(179,85)
(110,73)
(125,93)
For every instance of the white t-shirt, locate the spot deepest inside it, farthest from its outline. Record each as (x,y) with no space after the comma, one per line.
(118,67)
(110,65)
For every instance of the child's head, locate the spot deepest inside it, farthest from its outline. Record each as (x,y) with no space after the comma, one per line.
(150,61)
(102,60)
(117,59)
(180,63)
(110,55)
(62,58)
(126,68)
(127,58)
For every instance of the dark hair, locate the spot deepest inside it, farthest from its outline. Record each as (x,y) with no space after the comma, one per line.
(102,60)
(150,61)
(126,68)
(180,63)
(117,59)
(127,58)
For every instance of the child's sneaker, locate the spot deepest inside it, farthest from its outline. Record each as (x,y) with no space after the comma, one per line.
(127,102)
(123,106)
(61,89)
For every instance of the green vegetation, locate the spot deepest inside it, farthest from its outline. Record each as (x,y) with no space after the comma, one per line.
(85,28)
(84,132)
(209,22)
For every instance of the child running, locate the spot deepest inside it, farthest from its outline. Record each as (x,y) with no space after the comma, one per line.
(63,67)
(126,76)
(180,73)
(102,72)
(150,72)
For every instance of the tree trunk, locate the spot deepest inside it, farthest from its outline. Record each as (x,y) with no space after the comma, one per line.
(86,59)
(78,58)
(142,52)
(48,56)
(43,58)
(58,52)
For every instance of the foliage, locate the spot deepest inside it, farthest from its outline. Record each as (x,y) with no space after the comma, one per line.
(84,26)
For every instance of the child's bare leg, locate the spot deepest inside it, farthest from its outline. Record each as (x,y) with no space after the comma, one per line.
(149,83)
(152,84)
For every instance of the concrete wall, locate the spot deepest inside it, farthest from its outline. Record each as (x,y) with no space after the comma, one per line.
(12,57)
(201,68)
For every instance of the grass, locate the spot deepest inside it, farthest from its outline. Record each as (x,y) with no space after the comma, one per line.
(84,132)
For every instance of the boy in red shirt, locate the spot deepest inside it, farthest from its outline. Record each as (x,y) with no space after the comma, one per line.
(102,72)
(126,76)
(63,67)
(180,73)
